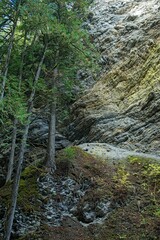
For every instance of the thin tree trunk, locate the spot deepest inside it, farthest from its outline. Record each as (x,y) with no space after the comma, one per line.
(22,60)
(52,128)
(6,67)
(51,138)
(13,146)
(21,155)
(14,135)
(16,185)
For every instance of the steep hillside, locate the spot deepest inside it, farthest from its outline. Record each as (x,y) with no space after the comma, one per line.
(87,199)
(107,187)
(123,107)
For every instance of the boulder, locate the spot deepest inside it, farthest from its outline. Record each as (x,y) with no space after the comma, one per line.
(38,134)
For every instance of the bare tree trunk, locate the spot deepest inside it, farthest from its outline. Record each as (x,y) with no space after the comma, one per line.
(14,135)
(13,146)
(52,128)
(16,184)
(22,60)
(51,138)
(6,67)
(21,155)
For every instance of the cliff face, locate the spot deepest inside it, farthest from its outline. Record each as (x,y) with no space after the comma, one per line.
(89,198)
(123,107)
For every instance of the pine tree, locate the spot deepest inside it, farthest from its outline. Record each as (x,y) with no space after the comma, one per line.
(15,16)
(49,44)
(71,47)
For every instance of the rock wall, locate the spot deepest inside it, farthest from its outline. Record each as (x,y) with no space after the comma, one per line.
(123,107)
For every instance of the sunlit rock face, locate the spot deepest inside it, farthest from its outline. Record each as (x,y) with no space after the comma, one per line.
(123,107)
(121,26)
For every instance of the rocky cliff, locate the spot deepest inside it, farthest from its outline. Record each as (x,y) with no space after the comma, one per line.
(89,198)
(123,107)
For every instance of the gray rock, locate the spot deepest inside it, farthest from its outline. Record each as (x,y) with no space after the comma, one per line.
(38,134)
(88,217)
(119,109)
(126,17)
(112,153)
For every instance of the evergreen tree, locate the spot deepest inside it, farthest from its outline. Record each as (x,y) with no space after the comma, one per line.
(72,50)
(15,15)
(46,42)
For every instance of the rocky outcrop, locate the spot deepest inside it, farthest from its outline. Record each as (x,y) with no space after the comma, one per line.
(112,154)
(123,27)
(123,106)
(38,135)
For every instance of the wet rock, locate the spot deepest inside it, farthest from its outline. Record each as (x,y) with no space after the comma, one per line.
(23,223)
(38,134)
(93,213)
(62,197)
(102,209)
(88,217)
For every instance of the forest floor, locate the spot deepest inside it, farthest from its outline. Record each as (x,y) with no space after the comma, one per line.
(89,198)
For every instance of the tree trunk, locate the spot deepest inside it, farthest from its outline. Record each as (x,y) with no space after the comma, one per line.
(13,146)
(16,185)
(51,138)
(52,128)
(6,67)
(22,60)
(14,135)
(21,155)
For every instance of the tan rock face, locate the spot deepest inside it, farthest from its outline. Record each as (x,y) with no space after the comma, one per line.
(122,87)
(123,107)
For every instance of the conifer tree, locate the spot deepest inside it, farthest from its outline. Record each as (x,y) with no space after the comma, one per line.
(15,16)
(50,44)
(22,151)
(71,47)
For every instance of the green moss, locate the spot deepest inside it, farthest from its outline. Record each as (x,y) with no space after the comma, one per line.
(70,152)
(121,176)
(140,160)
(28,189)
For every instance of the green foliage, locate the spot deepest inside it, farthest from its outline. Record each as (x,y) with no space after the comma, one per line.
(135,201)
(59,25)
(139,160)
(40,22)
(153,172)
(70,153)
(66,159)
(121,177)
(149,169)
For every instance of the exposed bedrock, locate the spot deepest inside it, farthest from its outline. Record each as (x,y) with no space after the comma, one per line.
(122,27)
(123,107)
